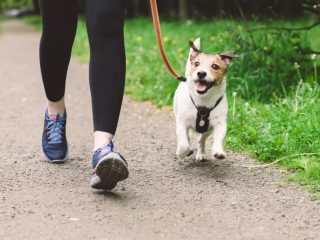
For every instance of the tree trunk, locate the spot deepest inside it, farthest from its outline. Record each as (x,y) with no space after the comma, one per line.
(296,8)
(219,8)
(183,10)
(136,8)
(36,6)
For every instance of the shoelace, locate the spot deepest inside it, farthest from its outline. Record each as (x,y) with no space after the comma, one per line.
(55,130)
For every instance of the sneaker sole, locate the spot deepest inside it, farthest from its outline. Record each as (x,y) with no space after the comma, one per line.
(110,170)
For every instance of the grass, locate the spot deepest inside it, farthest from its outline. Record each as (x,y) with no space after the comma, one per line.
(1,20)
(273,89)
(286,129)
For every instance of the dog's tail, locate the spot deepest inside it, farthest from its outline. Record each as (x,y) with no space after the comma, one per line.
(197,44)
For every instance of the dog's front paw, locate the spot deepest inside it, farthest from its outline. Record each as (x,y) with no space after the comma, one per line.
(183,152)
(219,154)
(200,157)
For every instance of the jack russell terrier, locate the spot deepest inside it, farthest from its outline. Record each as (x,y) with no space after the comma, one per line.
(201,104)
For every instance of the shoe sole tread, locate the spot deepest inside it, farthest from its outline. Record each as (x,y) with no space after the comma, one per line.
(111,169)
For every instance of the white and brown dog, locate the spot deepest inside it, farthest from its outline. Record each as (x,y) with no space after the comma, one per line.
(201,104)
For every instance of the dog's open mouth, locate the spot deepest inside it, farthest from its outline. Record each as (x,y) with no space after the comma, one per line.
(202,86)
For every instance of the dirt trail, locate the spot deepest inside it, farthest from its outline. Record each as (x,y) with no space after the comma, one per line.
(162,199)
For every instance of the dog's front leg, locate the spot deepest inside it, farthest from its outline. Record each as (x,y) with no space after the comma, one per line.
(183,148)
(220,131)
(201,147)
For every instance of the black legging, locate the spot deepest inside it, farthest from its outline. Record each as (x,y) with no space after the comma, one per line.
(105,20)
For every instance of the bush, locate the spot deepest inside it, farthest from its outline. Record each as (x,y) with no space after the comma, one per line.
(6,4)
(265,67)
(266,64)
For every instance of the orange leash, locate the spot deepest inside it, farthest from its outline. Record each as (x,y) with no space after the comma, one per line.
(157,28)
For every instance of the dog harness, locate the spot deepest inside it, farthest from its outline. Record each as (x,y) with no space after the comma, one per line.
(202,121)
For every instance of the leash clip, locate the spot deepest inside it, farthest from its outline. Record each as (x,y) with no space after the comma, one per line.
(182,79)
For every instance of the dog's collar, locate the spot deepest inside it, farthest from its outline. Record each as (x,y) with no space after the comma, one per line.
(202,121)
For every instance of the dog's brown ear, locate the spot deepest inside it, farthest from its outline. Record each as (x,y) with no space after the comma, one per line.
(195,51)
(227,57)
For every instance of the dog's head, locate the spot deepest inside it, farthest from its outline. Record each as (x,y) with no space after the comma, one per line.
(206,70)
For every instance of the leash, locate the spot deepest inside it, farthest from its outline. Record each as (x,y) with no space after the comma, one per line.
(203,114)
(157,28)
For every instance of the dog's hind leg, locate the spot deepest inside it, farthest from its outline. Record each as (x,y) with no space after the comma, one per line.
(183,148)
(201,147)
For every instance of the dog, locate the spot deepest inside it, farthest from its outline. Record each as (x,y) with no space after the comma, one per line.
(200,103)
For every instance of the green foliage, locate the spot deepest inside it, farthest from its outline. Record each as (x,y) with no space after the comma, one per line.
(6,4)
(287,129)
(35,21)
(264,69)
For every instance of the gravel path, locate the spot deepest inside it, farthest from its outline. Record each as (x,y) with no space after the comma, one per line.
(162,199)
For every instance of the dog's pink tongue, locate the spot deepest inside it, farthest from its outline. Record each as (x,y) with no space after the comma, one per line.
(200,87)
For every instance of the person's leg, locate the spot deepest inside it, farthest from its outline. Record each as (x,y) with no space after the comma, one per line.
(105,19)
(59,19)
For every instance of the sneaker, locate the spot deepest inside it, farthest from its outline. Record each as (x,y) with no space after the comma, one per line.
(109,168)
(54,141)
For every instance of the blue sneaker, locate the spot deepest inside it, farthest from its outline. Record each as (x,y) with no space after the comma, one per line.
(109,168)
(54,141)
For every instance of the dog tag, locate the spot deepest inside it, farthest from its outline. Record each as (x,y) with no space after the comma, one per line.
(201,123)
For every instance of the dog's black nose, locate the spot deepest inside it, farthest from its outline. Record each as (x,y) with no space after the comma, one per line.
(202,74)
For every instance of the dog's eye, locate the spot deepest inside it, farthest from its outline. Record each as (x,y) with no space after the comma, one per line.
(196,64)
(215,67)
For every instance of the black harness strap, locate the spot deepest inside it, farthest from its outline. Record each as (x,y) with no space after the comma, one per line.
(202,122)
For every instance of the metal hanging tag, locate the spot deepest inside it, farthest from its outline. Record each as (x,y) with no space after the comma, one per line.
(201,123)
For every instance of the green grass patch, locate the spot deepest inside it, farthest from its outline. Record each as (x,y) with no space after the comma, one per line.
(1,20)
(34,21)
(275,114)
(286,130)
